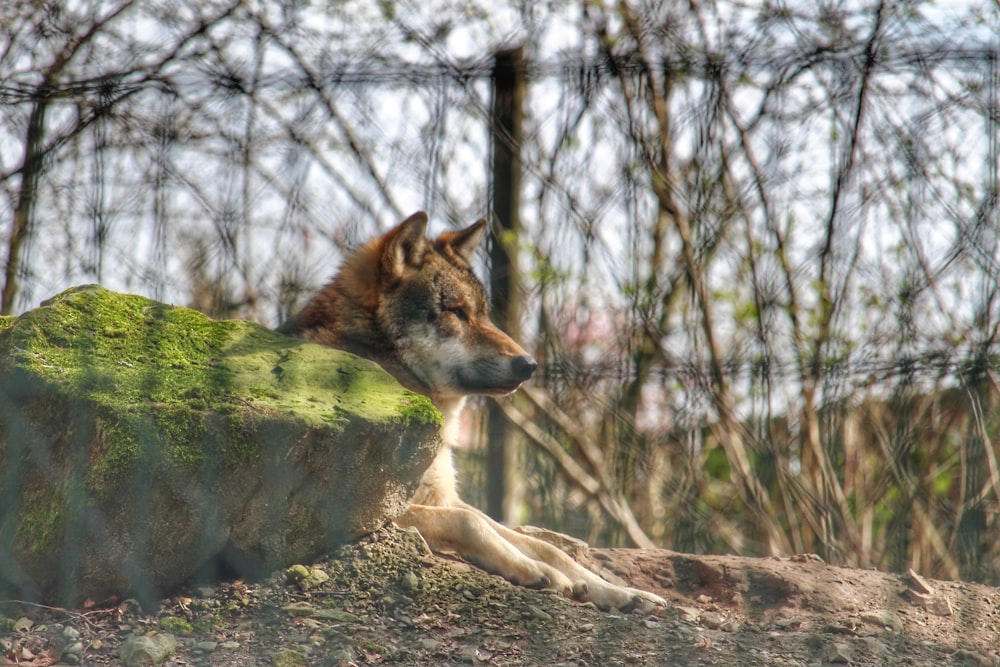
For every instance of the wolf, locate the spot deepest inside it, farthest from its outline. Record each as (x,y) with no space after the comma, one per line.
(414,306)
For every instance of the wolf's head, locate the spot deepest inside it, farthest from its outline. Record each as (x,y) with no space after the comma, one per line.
(413,305)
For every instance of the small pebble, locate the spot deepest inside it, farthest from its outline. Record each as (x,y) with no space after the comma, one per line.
(535,612)
(409,582)
(711,620)
(838,653)
(76,648)
(204,592)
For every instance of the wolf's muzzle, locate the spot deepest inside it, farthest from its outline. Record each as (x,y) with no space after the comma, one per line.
(523,367)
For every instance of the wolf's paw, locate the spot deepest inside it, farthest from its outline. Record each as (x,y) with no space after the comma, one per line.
(536,575)
(609,597)
(644,603)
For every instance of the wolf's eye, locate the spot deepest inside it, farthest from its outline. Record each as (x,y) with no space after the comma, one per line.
(459,313)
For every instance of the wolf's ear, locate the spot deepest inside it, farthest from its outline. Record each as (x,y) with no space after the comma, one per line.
(405,245)
(465,242)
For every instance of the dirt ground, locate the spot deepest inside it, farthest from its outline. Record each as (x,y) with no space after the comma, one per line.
(385,601)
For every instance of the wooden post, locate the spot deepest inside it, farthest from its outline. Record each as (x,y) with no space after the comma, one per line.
(506,114)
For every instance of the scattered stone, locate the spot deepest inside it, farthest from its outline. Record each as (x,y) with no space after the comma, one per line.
(76,648)
(311,624)
(788,623)
(306,579)
(338,615)
(296,573)
(68,646)
(874,645)
(409,582)
(540,614)
(883,618)
(289,658)
(340,655)
(140,651)
(922,594)
(918,583)
(711,620)
(807,558)
(413,537)
(689,614)
(204,592)
(838,653)
(940,605)
(298,609)
(975,659)
(496,629)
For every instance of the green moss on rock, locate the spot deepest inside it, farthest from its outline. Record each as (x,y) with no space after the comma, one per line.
(267,438)
(43,518)
(129,353)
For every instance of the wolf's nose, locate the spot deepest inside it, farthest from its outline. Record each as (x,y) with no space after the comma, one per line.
(523,367)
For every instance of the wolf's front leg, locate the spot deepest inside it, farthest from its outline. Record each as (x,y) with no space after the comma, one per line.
(469,533)
(520,558)
(587,586)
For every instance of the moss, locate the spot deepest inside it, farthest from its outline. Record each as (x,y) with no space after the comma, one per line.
(175,625)
(42,519)
(421,410)
(288,658)
(371,646)
(120,385)
(203,625)
(128,354)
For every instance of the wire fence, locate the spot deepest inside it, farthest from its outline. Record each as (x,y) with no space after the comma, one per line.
(760,264)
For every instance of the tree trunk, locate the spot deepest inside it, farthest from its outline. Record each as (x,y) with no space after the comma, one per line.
(502,487)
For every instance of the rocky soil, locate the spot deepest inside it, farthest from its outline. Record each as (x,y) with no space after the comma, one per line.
(385,600)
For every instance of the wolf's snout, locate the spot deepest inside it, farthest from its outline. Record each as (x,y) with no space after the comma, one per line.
(523,367)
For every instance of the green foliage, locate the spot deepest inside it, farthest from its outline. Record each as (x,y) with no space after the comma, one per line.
(175,625)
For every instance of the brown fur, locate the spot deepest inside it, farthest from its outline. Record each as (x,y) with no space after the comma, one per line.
(414,306)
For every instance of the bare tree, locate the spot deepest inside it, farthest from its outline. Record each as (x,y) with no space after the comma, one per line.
(758,249)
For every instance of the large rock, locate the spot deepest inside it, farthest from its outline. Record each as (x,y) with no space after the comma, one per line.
(140,440)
